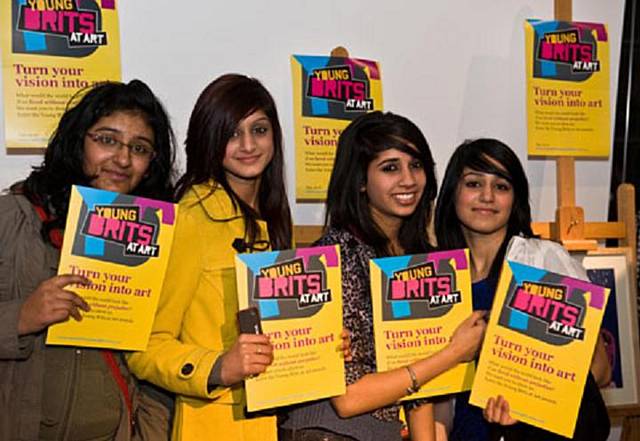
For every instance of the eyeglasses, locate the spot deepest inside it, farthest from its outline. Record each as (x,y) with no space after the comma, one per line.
(139,149)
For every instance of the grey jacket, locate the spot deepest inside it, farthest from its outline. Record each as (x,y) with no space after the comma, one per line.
(26,261)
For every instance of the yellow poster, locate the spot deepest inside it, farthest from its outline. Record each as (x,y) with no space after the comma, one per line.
(122,244)
(418,301)
(50,50)
(538,346)
(328,93)
(298,294)
(567,65)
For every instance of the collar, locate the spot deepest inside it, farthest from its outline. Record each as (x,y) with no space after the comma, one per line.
(55,234)
(214,200)
(216,203)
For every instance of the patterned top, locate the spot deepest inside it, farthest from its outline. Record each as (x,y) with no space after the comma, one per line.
(381,424)
(357,309)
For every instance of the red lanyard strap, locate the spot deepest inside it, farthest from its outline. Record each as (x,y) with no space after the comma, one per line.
(55,235)
(117,375)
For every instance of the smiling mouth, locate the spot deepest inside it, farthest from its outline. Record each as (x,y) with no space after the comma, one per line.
(116,176)
(405,198)
(248,159)
(484,210)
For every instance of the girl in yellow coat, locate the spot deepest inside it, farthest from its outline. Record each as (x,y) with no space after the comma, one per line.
(232,199)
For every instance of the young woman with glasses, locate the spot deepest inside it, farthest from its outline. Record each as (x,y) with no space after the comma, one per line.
(59,392)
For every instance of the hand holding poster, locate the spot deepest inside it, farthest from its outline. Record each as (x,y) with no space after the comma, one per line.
(538,346)
(567,88)
(121,243)
(418,301)
(299,296)
(328,93)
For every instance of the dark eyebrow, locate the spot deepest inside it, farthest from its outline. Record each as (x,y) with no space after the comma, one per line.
(118,132)
(262,119)
(388,161)
(483,174)
(107,129)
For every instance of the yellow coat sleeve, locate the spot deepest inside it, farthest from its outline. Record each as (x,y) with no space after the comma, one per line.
(169,362)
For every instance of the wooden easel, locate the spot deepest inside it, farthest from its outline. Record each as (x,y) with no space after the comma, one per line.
(575,234)
(570,227)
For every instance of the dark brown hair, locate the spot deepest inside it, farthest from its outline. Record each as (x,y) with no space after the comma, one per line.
(49,185)
(348,206)
(219,109)
(485,155)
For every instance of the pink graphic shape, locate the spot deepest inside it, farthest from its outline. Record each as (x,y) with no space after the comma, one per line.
(397,290)
(31,19)
(374,72)
(596,299)
(265,287)
(457,255)
(168,212)
(601,31)
(546,50)
(521,299)
(96,225)
(317,88)
(329,253)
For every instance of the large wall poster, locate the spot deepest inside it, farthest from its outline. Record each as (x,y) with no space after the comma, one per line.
(328,93)
(567,69)
(50,50)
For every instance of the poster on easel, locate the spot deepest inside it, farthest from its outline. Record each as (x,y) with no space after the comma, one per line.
(121,243)
(418,302)
(328,93)
(538,346)
(50,51)
(298,294)
(567,71)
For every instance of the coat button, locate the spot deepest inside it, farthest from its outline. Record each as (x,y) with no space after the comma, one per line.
(187,369)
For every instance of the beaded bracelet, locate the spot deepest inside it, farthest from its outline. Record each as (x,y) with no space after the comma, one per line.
(414,382)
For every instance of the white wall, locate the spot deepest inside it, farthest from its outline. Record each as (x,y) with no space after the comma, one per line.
(456,68)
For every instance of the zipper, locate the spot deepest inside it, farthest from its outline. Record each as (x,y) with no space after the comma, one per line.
(66,427)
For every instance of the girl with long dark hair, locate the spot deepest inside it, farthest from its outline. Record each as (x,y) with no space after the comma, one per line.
(484,206)
(379,204)
(116,137)
(232,199)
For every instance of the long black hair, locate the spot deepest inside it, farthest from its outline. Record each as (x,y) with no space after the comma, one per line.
(348,206)
(485,155)
(49,185)
(221,106)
